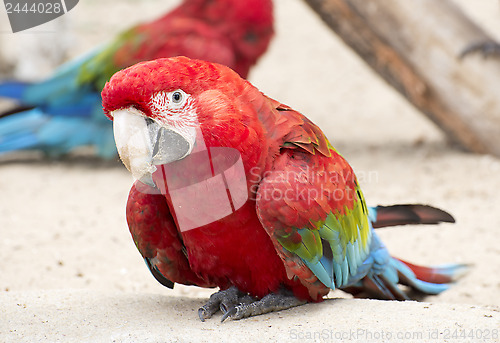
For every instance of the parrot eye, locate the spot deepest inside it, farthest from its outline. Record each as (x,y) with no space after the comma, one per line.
(177,97)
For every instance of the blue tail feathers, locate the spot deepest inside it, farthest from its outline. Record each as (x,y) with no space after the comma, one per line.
(412,280)
(13,89)
(56,136)
(56,115)
(380,275)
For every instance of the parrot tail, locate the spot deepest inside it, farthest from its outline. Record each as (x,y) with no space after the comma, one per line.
(429,280)
(386,272)
(384,216)
(422,280)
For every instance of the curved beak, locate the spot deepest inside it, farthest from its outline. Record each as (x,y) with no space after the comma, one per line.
(143,143)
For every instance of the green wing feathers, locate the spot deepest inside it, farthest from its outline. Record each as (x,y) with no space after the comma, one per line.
(334,248)
(98,70)
(312,207)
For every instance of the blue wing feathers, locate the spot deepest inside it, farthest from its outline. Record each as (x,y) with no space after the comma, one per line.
(67,114)
(55,135)
(13,89)
(337,266)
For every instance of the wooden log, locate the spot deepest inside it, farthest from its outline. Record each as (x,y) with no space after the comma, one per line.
(415,46)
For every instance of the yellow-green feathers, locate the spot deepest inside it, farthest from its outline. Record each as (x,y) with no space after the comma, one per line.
(337,246)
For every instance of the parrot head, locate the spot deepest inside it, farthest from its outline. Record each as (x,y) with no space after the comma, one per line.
(165,109)
(252,27)
(248,24)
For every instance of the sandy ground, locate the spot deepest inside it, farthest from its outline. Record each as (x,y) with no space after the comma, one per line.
(70,271)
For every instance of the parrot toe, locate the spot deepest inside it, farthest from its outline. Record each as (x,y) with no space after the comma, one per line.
(224,301)
(270,303)
(485,48)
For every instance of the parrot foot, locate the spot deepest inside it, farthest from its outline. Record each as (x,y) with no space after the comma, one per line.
(270,303)
(236,305)
(486,48)
(223,301)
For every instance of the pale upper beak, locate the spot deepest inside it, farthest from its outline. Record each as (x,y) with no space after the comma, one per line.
(143,143)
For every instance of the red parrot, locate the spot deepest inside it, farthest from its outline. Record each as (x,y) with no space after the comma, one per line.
(236,190)
(64,112)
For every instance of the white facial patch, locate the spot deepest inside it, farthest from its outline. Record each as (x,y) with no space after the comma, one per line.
(176,111)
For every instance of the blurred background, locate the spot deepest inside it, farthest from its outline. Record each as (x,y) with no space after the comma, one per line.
(63,222)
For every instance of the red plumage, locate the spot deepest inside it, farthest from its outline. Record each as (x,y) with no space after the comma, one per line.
(230,32)
(213,218)
(154,231)
(213,249)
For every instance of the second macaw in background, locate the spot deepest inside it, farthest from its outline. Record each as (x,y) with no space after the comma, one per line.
(64,112)
(238,191)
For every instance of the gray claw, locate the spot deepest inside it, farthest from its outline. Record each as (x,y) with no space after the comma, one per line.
(202,313)
(230,313)
(223,300)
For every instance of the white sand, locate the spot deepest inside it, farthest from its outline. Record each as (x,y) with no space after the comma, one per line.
(94,316)
(70,271)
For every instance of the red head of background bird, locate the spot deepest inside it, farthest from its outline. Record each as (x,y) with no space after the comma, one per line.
(248,25)
(230,32)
